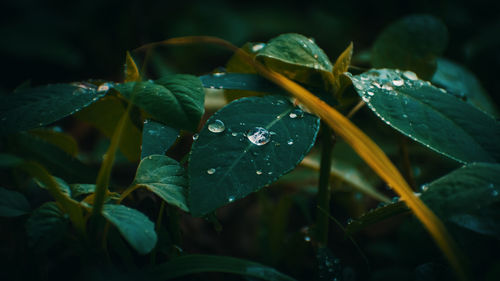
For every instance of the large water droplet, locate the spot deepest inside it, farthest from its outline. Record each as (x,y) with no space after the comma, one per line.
(410,75)
(258,136)
(257,47)
(258,172)
(398,82)
(104,87)
(211,171)
(217,126)
(195,136)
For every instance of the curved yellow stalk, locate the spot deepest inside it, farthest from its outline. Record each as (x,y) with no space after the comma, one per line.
(361,143)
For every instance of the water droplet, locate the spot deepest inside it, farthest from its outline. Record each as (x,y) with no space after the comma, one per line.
(349,221)
(242,123)
(230,199)
(195,136)
(410,75)
(494,193)
(212,87)
(211,171)
(387,87)
(371,94)
(258,136)
(307,238)
(491,185)
(104,87)
(234,134)
(218,74)
(376,85)
(315,56)
(258,172)
(398,82)
(290,142)
(296,113)
(257,47)
(217,126)
(395,199)
(424,187)
(405,116)
(269,173)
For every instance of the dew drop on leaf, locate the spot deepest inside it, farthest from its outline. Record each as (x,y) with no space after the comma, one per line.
(195,136)
(230,199)
(258,136)
(217,126)
(258,172)
(211,171)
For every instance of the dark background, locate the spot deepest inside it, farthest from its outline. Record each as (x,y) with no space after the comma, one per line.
(62,41)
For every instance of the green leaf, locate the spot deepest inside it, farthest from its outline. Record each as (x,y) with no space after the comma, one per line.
(429,115)
(261,139)
(36,107)
(176,100)
(157,138)
(54,159)
(376,215)
(459,81)
(135,227)
(80,189)
(165,177)
(191,264)
(465,190)
(411,43)
(13,203)
(483,224)
(298,58)
(46,226)
(239,81)
(62,185)
(105,115)
(9,160)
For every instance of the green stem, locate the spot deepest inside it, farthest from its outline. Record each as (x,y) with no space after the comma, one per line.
(327,143)
(157,227)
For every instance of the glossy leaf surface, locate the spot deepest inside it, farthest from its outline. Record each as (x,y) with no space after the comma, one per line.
(430,115)
(245,146)
(157,138)
(165,177)
(135,227)
(31,108)
(176,100)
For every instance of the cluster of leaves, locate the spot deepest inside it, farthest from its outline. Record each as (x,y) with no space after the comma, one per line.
(248,144)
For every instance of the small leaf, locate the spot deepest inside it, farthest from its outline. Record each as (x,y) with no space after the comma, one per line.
(412,43)
(176,100)
(165,177)
(13,203)
(105,115)
(459,81)
(341,66)
(9,160)
(430,116)
(36,107)
(298,58)
(377,215)
(191,264)
(246,145)
(157,138)
(64,141)
(135,227)
(46,226)
(63,186)
(239,81)
(131,71)
(80,189)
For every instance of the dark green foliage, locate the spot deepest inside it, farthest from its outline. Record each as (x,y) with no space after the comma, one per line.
(13,203)
(46,226)
(157,138)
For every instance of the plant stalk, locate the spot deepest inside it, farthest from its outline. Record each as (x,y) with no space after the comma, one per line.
(327,143)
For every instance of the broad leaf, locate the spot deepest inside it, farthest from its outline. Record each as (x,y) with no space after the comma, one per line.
(9,160)
(157,138)
(465,190)
(36,107)
(176,100)
(61,184)
(239,81)
(298,58)
(376,215)
(245,146)
(135,227)
(412,43)
(429,115)
(165,177)
(105,115)
(13,203)
(459,81)
(80,189)
(488,224)
(191,264)
(46,226)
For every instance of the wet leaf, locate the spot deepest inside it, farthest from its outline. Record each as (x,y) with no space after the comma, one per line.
(105,115)
(411,43)
(377,215)
(430,116)
(165,177)
(244,146)
(61,184)
(135,227)
(13,203)
(459,81)
(79,189)
(31,108)
(298,58)
(191,264)
(46,226)
(239,81)
(176,100)
(157,138)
